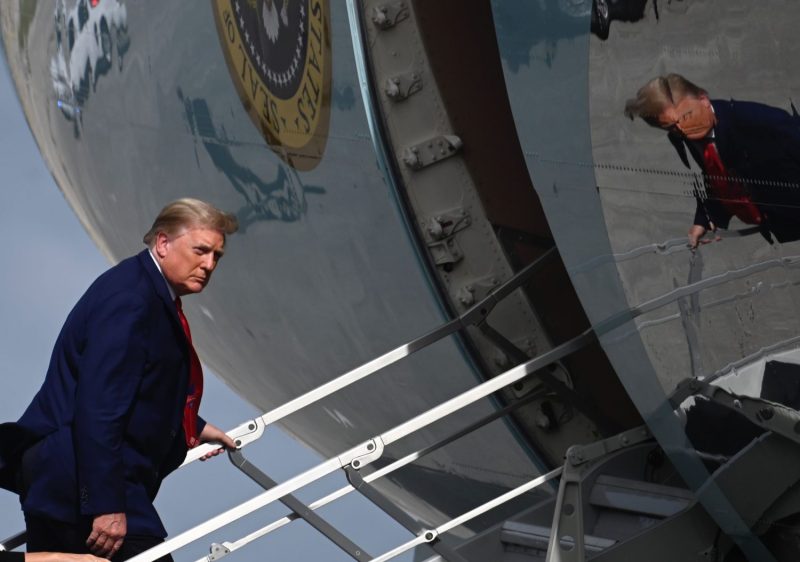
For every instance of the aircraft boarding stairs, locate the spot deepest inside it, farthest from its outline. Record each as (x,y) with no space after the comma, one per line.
(605,508)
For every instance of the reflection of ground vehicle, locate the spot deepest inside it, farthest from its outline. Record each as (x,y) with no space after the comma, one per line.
(87,38)
(606,11)
(556,19)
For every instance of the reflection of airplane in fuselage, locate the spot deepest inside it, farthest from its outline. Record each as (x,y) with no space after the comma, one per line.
(89,36)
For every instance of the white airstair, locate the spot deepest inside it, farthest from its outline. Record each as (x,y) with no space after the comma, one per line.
(604,509)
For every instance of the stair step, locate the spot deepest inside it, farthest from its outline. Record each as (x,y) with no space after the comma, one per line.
(635,496)
(537,536)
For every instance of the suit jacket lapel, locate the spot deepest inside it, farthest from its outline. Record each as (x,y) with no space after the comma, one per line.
(680,147)
(160,286)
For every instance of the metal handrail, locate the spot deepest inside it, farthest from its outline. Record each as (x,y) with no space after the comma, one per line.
(13,542)
(253,429)
(368,451)
(372,477)
(431,535)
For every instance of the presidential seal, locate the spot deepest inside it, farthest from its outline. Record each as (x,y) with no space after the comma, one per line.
(279,56)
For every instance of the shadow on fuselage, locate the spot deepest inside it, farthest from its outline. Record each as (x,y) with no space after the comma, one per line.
(282,198)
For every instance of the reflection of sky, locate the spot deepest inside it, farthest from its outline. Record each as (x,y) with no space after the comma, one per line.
(545,21)
(49,261)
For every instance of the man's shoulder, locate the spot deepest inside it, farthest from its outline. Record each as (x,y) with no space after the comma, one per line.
(129,275)
(751,112)
(130,267)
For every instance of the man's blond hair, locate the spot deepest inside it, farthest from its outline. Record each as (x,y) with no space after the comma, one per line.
(660,93)
(190,213)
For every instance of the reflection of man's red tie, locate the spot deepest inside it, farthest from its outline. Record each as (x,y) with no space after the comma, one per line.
(195,392)
(729,190)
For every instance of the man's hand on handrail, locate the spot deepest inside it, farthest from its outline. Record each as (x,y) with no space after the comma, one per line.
(214,435)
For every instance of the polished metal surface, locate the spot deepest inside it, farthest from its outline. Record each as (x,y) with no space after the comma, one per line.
(311,142)
(372,450)
(646,191)
(323,275)
(432,156)
(620,201)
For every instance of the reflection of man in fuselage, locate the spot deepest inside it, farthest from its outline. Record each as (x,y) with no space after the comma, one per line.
(749,153)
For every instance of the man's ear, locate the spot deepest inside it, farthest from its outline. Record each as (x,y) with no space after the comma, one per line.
(160,246)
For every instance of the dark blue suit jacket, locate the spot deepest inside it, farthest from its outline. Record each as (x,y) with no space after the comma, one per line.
(761,145)
(109,414)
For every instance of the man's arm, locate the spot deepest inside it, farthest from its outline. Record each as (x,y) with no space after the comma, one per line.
(111,368)
(772,128)
(212,434)
(708,214)
(696,233)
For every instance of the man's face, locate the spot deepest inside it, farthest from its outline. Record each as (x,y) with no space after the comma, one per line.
(188,258)
(692,118)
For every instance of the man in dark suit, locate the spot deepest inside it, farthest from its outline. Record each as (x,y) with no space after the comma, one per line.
(118,407)
(749,153)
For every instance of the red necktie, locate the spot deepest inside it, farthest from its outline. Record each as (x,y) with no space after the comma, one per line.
(729,190)
(195,392)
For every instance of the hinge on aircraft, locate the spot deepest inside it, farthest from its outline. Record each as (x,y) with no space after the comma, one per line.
(446,224)
(476,290)
(431,151)
(440,233)
(388,15)
(446,253)
(402,86)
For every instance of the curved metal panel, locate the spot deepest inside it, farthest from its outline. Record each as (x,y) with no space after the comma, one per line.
(133,105)
(618,205)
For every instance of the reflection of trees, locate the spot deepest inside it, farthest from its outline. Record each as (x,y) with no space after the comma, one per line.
(280,199)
